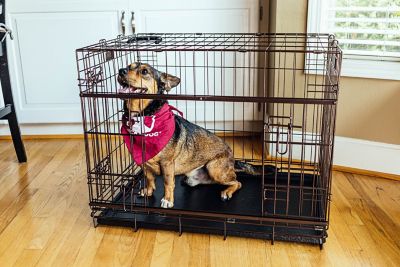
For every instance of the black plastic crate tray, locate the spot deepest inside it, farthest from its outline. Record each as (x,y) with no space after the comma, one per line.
(247,201)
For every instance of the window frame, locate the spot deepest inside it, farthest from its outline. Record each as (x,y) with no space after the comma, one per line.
(362,66)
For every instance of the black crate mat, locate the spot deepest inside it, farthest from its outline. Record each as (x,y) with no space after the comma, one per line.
(247,201)
(295,196)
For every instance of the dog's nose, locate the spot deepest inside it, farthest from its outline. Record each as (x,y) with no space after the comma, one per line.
(123,71)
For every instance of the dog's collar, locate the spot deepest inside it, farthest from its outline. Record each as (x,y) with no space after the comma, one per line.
(164,108)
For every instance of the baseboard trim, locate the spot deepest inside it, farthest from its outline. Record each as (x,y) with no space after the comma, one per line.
(366,172)
(45,136)
(373,157)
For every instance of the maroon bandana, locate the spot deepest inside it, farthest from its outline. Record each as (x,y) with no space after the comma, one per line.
(149,134)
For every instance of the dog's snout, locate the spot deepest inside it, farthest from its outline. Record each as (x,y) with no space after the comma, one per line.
(123,71)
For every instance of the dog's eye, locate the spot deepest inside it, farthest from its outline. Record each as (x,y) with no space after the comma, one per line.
(144,72)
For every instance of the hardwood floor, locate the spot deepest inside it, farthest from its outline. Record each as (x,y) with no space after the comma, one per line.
(45,221)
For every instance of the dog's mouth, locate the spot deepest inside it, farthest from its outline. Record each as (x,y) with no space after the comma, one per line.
(127,89)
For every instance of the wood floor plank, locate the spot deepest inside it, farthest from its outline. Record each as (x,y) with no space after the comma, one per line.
(59,237)
(13,173)
(257,253)
(7,152)
(278,254)
(22,221)
(373,216)
(337,254)
(9,211)
(90,245)
(181,252)
(162,251)
(237,249)
(45,221)
(16,179)
(71,245)
(383,194)
(199,247)
(144,250)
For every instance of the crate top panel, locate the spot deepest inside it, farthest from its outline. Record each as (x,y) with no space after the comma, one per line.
(233,42)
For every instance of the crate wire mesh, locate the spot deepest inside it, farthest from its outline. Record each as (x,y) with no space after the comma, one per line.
(270,97)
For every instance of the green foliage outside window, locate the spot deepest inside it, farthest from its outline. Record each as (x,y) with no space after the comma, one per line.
(387,30)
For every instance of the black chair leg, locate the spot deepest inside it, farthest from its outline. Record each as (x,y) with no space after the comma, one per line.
(8,112)
(16,137)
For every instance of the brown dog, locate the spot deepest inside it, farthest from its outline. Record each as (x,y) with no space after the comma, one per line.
(192,150)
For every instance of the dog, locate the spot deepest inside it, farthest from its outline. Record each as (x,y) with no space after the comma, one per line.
(201,156)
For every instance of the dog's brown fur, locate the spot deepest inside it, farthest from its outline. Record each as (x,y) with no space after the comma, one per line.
(200,155)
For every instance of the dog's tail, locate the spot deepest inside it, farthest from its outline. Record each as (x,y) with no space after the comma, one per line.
(241,166)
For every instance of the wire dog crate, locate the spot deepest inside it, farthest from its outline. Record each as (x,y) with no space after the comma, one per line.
(270,97)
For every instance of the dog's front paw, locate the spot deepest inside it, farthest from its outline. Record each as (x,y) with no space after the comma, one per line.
(166,203)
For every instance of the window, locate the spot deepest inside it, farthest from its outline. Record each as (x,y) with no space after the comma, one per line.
(368,32)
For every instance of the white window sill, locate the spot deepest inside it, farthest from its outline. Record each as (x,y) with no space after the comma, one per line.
(373,69)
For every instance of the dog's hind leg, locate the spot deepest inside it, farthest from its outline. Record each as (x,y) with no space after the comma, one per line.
(222,171)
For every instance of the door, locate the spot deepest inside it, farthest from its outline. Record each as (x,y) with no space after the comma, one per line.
(196,16)
(42,54)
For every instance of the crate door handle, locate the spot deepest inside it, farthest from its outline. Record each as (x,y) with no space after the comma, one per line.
(133,24)
(123,22)
(288,137)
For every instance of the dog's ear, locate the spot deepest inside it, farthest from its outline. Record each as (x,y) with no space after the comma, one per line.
(169,81)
